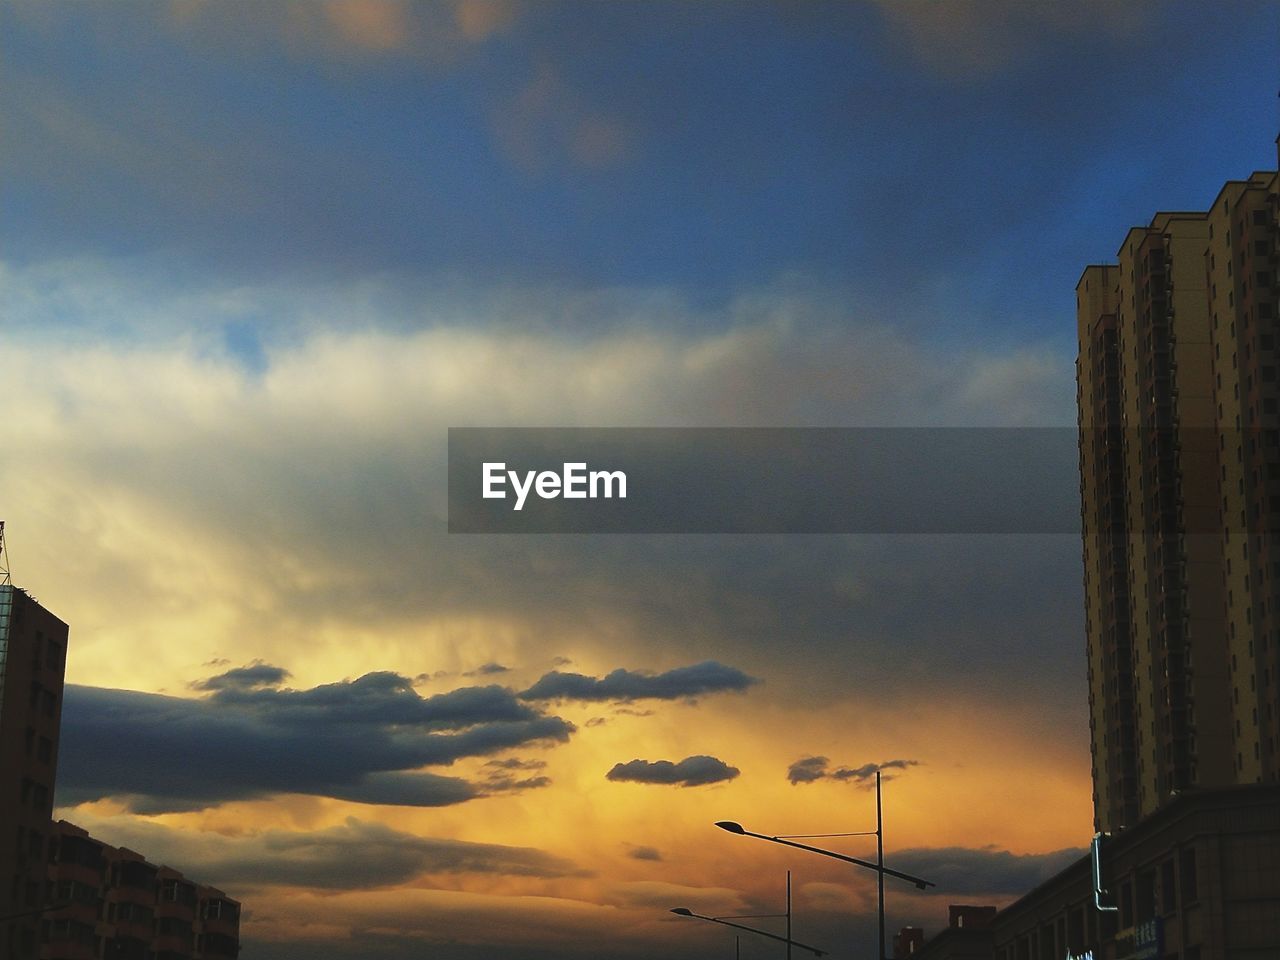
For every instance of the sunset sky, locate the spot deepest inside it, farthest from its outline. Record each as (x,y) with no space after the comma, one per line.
(257,258)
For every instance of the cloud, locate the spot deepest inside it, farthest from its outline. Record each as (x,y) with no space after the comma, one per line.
(689,772)
(662,894)
(985,870)
(979,37)
(499,775)
(376,25)
(548,122)
(316,492)
(867,771)
(256,674)
(645,853)
(682,682)
(812,769)
(832,897)
(437,33)
(356,855)
(515,763)
(480,19)
(361,740)
(383,697)
(807,770)
(487,669)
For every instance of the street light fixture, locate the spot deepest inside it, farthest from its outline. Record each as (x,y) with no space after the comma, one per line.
(878,866)
(686,912)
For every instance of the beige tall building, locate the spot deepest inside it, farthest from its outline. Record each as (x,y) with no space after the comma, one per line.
(1179,406)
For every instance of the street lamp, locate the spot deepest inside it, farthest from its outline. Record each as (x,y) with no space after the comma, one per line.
(686,912)
(878,866)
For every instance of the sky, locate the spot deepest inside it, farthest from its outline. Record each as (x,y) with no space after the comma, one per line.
(257,258)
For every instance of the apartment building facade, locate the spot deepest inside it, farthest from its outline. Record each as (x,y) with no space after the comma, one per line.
(111,903)
(33,645)
(1179,412)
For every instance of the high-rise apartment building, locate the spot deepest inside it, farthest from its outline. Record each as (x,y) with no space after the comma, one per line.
(1241,262)
(33,645)
(1179,406)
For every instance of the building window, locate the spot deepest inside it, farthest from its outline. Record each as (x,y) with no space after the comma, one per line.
(1168,889)
(1187,875)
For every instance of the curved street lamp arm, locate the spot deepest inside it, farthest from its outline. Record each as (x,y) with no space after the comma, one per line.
(921,883)
(762,933)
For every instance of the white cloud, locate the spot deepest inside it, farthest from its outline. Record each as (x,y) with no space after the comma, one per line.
(176,504)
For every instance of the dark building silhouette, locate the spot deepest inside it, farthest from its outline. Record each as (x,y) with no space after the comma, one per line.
(63,894)
(966,936)
(33,646)
(112,904)
(906,942)
(1197,880)
(966,917)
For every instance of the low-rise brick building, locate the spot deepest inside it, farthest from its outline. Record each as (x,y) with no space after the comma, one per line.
(1197,880)
(110,903)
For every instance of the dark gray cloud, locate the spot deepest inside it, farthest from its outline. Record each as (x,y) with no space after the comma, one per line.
(867,771)
(985,870)
(689,772)
(506,784)
(515,763)
(812,769)
(256,674)
(807,769)
(487,669)
(363,740)
(381,698)
(645,853)
(354,855)
(706,677)
(500,775)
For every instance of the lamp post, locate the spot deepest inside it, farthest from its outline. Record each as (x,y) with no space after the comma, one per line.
(878,865)
(686,912)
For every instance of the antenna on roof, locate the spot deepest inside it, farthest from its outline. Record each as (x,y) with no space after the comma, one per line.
(4,559)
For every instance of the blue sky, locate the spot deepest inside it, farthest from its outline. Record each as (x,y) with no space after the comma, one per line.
(953,170)
(257,258)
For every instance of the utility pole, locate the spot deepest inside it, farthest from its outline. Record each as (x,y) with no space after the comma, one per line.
(880,863)
(788,915)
